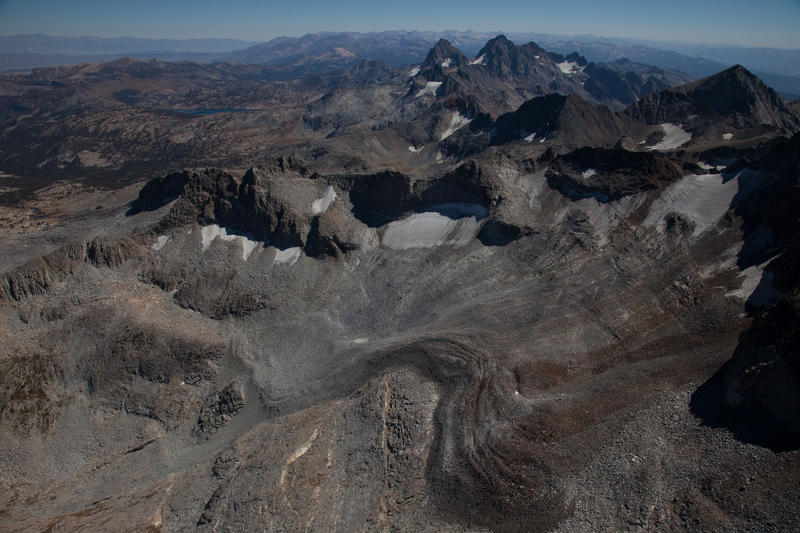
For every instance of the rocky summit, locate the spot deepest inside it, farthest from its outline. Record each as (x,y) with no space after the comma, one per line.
(515,292)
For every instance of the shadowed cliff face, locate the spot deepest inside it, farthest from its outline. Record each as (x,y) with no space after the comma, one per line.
(755,394)
(540,336)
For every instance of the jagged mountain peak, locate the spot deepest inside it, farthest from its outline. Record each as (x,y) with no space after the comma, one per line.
(735,94)
(445,55)
(496,44)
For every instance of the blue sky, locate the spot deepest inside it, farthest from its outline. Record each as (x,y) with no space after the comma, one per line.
(741,22)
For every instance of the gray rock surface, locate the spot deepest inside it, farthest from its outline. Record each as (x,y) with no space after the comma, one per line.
(351,335)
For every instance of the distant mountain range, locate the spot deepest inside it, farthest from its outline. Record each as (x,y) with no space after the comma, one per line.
(38,43)
(778,68)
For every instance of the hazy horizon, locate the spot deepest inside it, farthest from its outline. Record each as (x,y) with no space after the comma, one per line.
(737,23)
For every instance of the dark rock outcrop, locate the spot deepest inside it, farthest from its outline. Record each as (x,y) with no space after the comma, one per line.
(333,233)
(218,293)
(610,174)
(264,203)
(381,198)
(218,409)
(757,393)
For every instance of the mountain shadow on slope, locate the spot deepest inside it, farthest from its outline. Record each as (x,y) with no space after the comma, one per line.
(563,119)
(756,394)
(608,174)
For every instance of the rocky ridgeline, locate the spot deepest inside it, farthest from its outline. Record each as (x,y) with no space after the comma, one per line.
(38,275)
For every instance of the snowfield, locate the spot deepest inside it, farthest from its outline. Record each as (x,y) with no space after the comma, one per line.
(430,88)
(435,228)
(321,205)
(568,67)
(414,71)
(457,121)
(479,60)
(209,233)
(289,255)
(703,199)
(674,136)
(161,241)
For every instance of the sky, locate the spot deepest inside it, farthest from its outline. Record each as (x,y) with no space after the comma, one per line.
(771,23)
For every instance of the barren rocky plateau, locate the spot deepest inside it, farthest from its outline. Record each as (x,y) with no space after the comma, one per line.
(515,292)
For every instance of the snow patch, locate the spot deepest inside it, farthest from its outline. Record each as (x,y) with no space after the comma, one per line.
(415,149)
(360,340)
(429,229)
(447,62)
(479,60)
(529,138)
(568,67)
(752,277)
(588,173)
(674,136)
(209,233)
(289,255)
(756,278)
(457,120)
(703,199)
(414,71)
(727,136)
(248,247)
(704,165)
(321,205)
(161,241)
(430,88)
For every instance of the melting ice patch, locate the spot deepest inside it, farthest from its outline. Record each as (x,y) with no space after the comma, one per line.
(209,233)
(674,136)
(414,71)
(457,120)
(320,205)
(435,228)
(289,255)
(430,88)
(481,60)
(161,241)
(703,199)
